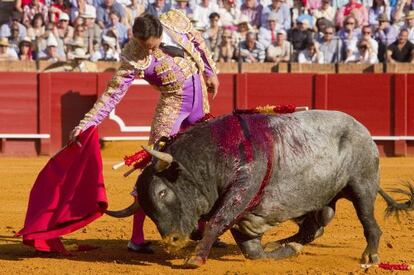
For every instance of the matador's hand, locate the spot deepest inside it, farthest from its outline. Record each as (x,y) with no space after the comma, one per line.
(212,84)
(74,134)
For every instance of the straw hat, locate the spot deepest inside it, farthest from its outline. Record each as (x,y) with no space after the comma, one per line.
(4,42)
(409,15)
(79,53)
(63,16)
(383,18)
(26,40)
(89,13)
(108,40)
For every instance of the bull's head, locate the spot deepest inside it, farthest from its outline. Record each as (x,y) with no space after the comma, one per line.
(167,194)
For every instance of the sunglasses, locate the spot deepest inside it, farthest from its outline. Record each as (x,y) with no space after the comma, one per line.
(349,23)
(328,32)
(366,32)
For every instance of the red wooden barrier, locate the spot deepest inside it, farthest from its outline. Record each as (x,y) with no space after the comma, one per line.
(54,103)
(19,112)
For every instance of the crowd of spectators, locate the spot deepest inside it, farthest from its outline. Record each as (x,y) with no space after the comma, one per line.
(304,31)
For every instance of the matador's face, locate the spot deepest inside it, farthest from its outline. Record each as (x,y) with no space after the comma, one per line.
(150,44)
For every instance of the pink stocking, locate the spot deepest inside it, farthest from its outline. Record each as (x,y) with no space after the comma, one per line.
(138,227)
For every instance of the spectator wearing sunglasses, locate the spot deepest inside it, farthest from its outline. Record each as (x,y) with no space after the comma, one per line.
(364,55)
(385,34)
(64,30)
(330,46)
(15,18)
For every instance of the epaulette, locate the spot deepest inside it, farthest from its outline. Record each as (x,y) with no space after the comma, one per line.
(177,21)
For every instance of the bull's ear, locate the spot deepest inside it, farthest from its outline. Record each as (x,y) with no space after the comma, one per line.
(164,160)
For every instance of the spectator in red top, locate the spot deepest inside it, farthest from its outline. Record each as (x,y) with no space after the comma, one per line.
(20,4)
(33,8)
(253,10)
(58,7)
(352,8)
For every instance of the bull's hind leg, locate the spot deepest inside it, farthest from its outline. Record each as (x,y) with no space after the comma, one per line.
(311,226)
(363,199)
(252,248)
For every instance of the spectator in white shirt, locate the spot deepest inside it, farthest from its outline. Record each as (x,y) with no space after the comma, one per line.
(202,12)
(280,50)
(267,34)
(364,55)
(108,51)
(326,11)
(311,55)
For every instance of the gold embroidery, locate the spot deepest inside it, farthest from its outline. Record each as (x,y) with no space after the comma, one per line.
(167,111)
(168,77)
(162,67)
(177,21)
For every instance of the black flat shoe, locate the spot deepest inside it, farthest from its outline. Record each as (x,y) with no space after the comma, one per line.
(144,248)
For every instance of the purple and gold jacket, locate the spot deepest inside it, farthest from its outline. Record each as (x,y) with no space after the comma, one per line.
(166,73)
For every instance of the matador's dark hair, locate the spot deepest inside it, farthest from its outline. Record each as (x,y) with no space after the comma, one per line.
(146,25)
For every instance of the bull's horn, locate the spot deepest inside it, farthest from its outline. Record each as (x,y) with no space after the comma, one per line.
(164,160)
(129,211)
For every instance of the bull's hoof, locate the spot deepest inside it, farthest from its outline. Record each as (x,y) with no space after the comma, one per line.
(286,250)
(369,259)
(194,262)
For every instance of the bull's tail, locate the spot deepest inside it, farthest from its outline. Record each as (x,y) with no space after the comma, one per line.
(395,207)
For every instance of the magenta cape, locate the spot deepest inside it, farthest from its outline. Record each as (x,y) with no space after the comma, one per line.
(68,194)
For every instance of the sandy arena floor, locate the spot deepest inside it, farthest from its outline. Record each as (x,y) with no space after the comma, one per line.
(336,252)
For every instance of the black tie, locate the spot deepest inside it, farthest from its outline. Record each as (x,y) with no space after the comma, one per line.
(172,50)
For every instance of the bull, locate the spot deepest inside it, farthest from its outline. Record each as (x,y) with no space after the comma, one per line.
(250,172)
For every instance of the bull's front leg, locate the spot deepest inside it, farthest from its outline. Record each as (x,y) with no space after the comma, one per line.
(231,208)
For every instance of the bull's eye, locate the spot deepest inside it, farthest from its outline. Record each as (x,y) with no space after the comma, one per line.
(162,194)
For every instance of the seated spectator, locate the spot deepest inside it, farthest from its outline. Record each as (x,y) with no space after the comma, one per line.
(89,31)
(14,37)
(108,50)
(321,24)
(120,29)
(81,7)
(226,50)
(243,27)
(6,53)
(279,51)
(282,12)
(355,9)
(326,11)
(105,9)
(409,25)
(385,34)
(401,10)
(72,45)
(25,49)
(366,34)
(34,8)
(297,10)
(212,35)
(310,55)
(253,9)
(65,31)
(300,36)
(133,10)
(401,50)
(37,28)
(251,51)
(364,55)
(51,52)
(58,7)
(330,46)
(158,7)
(203,10)
(15,18)
(229,13)
(267,34)
(184,7)
(378,7)
(349,34)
